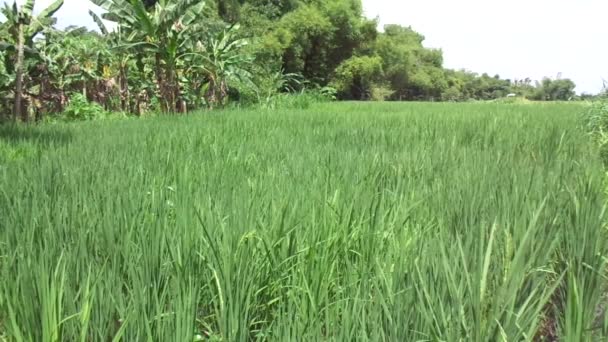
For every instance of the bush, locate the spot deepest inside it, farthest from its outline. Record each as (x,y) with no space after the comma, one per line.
(356,77)
(301,100)
(596,123)
(381,93)
(80,109)
(288,101)
(513,100)
(596,118)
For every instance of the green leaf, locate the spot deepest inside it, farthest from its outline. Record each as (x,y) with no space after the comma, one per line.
(44,19)
(143,18)
(27,8)
(51,10)
(4,46)
(105,4)
(102,27)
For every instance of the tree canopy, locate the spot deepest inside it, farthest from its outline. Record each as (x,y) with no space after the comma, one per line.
(179,55)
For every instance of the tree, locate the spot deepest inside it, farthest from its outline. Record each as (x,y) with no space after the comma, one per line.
(355,78)
(174,55)
(115,41)
(23,27)
(523,87)
(554,90)
(219,61)
(317,36)
(413,71)
(75,59)
(309,35)
(164,31)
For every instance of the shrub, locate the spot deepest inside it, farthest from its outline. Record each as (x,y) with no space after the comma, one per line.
(301,100)
(596,118)
(596,123)
(381,93)
(356,77)
(512,100)
(79,109)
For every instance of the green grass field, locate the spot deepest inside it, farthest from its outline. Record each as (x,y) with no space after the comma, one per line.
(343,222)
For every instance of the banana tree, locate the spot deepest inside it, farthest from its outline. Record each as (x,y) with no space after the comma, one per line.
(163,30)
(115,40)
(221,60)
(22,27)
(74,60)
(6,80)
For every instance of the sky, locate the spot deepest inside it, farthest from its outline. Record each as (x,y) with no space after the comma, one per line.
(514,39)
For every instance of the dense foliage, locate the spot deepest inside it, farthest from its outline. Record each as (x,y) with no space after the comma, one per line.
(174,56)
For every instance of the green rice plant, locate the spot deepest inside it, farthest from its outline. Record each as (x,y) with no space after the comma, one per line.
(341,222)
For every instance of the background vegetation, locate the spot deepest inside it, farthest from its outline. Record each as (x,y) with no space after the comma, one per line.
(176,56)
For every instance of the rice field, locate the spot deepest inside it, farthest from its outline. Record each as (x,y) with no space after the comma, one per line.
(341,222)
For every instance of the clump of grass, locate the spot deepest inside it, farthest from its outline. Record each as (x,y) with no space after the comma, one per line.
(346,221)
(513,100)
(596,124)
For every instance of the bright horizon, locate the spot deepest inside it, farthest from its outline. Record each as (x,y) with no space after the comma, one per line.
(515,40)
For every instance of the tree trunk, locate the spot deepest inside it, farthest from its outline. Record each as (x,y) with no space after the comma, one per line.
(173,89)
(211,94)
(168,84)
(42,97)
(125,99)
(161,84)
(183,106)
(18,110)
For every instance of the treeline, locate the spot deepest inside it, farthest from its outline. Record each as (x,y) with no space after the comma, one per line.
(175,56)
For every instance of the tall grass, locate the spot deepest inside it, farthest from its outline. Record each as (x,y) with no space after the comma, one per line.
(344,222)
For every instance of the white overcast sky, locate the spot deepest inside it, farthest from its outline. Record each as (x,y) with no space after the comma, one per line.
(515,38)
